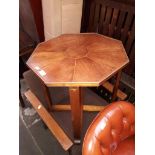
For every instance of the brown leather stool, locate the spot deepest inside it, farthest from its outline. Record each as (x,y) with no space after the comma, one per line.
(112,131)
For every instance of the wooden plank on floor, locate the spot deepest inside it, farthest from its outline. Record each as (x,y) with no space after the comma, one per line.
(53,126)
(110,87)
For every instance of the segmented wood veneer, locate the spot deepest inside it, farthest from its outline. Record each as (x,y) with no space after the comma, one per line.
(78,59)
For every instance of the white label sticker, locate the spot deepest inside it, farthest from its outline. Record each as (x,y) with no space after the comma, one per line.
(42,73)
(39,106)
(37,67)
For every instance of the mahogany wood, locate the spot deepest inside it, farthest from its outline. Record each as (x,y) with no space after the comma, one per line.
(130,38)
(102,17)
(115,89)
(88,108)
(76,110)
(92,10)
(121,95)
(114,19)
(112,26)
(78,59)
(107,21)
(96,16)
(131,67)
(53,126)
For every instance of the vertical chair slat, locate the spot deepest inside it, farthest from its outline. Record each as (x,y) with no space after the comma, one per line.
(130,39)
(91,17)
(96,17)
(126,27)
(113,22)
(107,21)
(131,67)
(102,16)
(120,24)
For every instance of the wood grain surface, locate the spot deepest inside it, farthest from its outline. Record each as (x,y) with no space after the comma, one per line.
(114,18)
(76,111)
(86,59)
(88,108)
(120,94)
(53,126)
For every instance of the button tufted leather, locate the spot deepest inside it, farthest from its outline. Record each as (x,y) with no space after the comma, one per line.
(112,131)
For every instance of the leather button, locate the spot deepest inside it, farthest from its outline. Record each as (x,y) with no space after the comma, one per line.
(113,132)
(124,119)
(125,123)
(113,146)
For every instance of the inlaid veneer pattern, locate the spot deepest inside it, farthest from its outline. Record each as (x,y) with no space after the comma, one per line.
(86,59)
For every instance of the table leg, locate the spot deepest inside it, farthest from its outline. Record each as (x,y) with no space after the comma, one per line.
(114,94)
(48,97)
(77,112)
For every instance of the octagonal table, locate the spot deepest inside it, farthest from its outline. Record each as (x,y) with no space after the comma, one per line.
(75,61)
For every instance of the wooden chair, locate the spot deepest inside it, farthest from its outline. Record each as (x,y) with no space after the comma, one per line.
(114,19)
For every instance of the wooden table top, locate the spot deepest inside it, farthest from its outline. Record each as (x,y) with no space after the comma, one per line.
(86,59)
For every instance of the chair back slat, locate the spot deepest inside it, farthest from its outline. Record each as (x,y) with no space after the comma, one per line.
(91,17)
(112,26)
(107,21)
(127,25)
(115,4)
(130,69)
(131,38)
(96,17)
(102,18)
(119,26)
